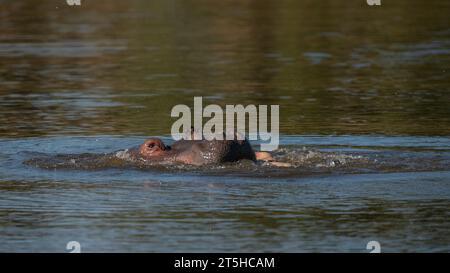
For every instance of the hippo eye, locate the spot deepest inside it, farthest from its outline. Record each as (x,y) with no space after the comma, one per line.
(151,145)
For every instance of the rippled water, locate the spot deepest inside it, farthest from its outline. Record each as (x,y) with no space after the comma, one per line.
(342,193)
(364,117)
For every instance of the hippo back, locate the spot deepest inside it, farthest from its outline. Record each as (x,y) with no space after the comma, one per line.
(200,152)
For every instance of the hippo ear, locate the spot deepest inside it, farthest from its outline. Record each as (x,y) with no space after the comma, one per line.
(160,145)
(155,144)
(152,147)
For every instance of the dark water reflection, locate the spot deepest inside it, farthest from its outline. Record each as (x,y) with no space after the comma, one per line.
(116,68)
(333,67)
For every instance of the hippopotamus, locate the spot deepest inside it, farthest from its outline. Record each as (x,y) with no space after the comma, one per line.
(199,152)
(194,152)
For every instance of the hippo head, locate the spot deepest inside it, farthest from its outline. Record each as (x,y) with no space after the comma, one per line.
(196,152)
(153,147)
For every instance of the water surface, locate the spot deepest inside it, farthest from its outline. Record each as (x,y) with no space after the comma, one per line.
(341,193)
(364,117)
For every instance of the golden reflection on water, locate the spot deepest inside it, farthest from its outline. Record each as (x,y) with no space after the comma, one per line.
(118,68)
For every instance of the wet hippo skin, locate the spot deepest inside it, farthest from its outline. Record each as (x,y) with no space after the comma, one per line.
(195,152)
